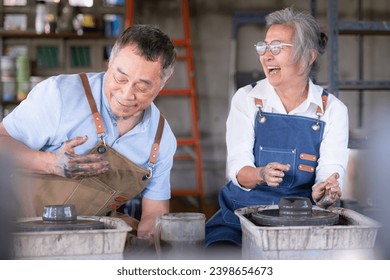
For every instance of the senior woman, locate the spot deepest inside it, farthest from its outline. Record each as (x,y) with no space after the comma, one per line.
(285,136)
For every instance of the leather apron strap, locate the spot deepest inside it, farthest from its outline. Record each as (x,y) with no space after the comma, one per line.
(92,104)
(100,126)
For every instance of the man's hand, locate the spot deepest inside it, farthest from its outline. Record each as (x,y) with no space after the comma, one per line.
(70,165)
(151,209)
(327,192)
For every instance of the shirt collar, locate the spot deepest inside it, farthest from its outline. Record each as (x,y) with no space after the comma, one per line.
(314,95)
(263,90)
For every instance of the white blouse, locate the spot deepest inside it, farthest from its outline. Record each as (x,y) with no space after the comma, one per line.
(240,132)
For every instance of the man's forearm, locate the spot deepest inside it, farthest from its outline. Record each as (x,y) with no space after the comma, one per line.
(151,209)
(26,159)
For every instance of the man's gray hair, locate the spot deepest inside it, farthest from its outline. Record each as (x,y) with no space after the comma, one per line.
(151,44)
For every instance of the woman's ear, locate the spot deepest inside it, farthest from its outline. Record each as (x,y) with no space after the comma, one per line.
(314,55)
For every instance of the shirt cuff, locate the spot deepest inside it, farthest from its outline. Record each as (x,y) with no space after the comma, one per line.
(235,182)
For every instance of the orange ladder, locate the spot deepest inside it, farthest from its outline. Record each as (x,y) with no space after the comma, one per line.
(192,142)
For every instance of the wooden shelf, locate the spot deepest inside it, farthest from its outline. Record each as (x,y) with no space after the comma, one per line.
(10,103)
(68,35)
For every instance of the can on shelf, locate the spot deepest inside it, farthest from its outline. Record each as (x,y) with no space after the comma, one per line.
(8,89)
(7,67)
(23,87)
(22,68)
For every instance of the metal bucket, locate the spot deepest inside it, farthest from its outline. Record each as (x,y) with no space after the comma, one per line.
(180,235)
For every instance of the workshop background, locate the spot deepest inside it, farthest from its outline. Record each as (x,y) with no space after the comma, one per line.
(216,56)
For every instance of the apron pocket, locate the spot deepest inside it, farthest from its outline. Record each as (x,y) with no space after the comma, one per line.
(284,156)
(91,197)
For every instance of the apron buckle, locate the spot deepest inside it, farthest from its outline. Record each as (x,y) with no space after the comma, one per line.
(149,175)
(102,148)
(262,118)
(316,126)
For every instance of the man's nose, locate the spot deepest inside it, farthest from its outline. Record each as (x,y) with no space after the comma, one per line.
(128,92)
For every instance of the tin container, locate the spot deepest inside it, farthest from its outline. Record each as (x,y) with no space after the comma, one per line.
(22,89)
(8,89)
(7,67)
(22,68)
(352,238)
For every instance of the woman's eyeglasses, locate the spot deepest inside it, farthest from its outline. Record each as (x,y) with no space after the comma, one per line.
(274,47)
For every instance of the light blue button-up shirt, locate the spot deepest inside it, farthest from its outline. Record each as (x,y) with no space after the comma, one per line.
(57,110)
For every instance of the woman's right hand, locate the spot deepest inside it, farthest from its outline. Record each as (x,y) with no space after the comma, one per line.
(326,193)
(70,165)
(272,174)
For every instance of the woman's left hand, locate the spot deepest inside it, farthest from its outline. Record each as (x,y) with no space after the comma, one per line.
(327,192)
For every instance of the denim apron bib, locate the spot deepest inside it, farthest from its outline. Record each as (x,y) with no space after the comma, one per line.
(286,139)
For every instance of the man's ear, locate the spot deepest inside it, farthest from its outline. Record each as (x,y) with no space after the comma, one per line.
(166,81)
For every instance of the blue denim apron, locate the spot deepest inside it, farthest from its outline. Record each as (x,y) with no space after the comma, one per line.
(287,139)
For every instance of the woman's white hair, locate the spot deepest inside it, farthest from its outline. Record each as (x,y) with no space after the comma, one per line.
(307,38)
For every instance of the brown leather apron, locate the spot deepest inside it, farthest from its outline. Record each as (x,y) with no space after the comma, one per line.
(95,195)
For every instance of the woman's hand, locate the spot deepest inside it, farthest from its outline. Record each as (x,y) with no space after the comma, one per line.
(327,192)
(70,165)
(272,174)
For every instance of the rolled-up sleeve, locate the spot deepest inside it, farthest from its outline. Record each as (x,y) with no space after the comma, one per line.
(159,187)
(35,121)
(334,150)
(240,133)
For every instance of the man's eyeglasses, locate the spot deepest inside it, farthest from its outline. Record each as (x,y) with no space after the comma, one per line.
(274,47)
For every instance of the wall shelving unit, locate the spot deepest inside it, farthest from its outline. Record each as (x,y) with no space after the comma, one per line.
(60,52)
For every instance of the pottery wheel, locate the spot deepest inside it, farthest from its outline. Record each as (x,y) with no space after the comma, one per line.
(271,217)
(59,217)
(294,211)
